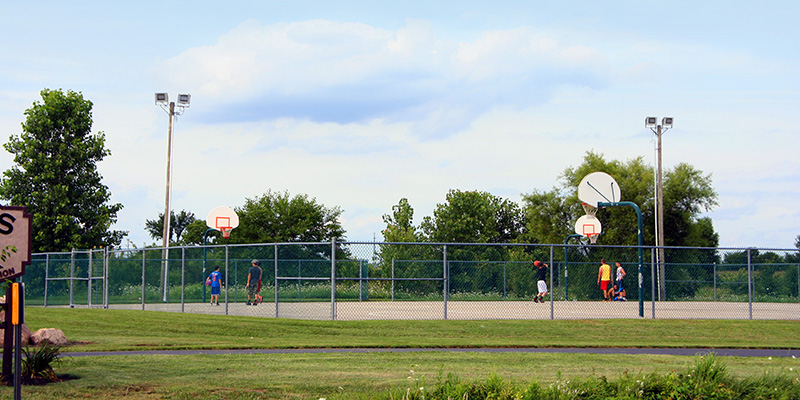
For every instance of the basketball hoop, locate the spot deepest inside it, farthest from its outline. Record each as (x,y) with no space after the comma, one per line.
(226,232)
(593,237)
(589,209)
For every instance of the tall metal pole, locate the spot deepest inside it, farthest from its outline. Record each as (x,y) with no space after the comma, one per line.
(660,218)
(165,233)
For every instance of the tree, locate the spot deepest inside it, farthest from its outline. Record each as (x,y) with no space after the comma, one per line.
(687,192)
(474,217)
(56,175)
(277,217)
(177,226)
(400,225)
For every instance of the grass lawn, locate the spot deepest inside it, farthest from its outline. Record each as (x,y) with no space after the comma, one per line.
(314,376)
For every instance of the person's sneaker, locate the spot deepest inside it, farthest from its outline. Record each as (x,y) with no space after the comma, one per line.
(248,302)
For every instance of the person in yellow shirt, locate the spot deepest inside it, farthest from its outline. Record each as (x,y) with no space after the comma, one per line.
(604,278)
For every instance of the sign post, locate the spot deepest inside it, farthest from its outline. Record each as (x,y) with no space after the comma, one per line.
(15,254)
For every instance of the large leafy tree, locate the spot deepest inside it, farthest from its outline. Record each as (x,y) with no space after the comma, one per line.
(687,193)
(56,175)
(474,217)
(278,217)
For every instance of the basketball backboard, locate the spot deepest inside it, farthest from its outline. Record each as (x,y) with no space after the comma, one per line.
(222,218)
(598,187)
(588,225)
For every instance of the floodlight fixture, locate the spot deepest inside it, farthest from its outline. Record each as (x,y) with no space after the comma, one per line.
(666,122)
(162,98)
(650,122)
(184,99)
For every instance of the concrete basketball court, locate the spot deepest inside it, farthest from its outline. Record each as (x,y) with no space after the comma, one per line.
(477,310)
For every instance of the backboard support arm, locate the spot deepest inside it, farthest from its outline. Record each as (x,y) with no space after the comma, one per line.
(641,250)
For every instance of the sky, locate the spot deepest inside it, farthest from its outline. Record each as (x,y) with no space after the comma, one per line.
(358,104)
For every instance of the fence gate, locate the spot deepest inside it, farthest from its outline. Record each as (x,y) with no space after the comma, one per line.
(83,277)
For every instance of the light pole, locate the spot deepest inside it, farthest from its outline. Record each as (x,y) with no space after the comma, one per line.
(666,123)
(162,100)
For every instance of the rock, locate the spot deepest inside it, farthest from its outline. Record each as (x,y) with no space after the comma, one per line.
(25,335)
(52,335)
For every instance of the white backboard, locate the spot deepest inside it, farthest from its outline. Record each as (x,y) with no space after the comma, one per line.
(598,187)
(588,225)
(222,217)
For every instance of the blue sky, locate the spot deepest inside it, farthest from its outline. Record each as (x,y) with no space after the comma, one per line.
(359,104)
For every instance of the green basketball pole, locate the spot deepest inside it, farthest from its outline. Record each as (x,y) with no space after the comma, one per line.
(641,251)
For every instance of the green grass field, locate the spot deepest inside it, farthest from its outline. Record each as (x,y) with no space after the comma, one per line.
(370,375)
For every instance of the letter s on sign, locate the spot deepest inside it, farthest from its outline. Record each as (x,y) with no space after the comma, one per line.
(5,226)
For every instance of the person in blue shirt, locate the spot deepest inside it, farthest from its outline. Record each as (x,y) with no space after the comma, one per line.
(216,279)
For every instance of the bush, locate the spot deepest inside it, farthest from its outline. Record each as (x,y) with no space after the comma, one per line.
(37,362)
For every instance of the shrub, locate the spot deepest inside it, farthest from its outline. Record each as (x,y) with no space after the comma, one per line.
(38,361)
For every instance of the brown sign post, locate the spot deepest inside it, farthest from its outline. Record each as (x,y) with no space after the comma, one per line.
(15,254)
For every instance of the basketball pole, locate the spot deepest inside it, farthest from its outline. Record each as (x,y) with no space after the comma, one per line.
(566,264)
(205,239)
(641,250)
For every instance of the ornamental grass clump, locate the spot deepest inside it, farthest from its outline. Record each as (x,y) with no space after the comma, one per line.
(38,362)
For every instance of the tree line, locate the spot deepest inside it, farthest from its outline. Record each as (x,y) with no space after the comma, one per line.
(55,176)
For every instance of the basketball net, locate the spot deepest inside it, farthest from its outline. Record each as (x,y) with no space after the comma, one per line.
(592,212)
(226,232)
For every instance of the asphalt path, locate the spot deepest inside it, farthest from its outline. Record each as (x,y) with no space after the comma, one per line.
(794,353)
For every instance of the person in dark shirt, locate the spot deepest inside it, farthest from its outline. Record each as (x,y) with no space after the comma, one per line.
(541,274)
(253,283)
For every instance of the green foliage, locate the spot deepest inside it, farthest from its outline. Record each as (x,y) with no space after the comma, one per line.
(38,361)
(707,378)
(178,225)
(474,217)
(6,252)
(687,193)
(279,218)
(56,175)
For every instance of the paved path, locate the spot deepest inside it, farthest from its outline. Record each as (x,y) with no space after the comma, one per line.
(663,351)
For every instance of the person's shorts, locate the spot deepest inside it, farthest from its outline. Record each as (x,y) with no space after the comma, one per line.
(252,290)
(215,290)
(604,285)
(620,286)
(542,286)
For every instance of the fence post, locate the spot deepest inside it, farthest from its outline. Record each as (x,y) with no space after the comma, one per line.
(445,281)
(653,281)
(47,276)
(106,261)
(360,280)
(71,278)
(183,280)
(749,283)
(393,279)
(227,246)
(275,259)
(333,279)
(299,282)
(552,311)
(89,281)
(715,282)
(144,253)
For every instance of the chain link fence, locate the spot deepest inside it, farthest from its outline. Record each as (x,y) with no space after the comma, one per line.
(365,280)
